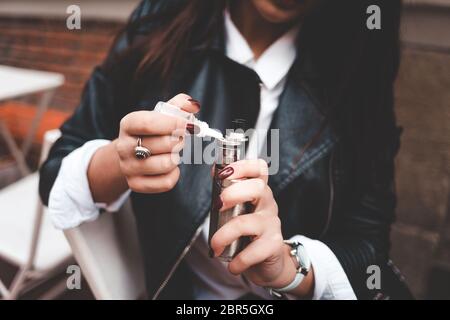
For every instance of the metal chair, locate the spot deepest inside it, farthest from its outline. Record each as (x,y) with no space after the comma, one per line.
(27,238)
(108,253)
(106,249)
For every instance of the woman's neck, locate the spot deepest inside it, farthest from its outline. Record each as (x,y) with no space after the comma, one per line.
(258,32)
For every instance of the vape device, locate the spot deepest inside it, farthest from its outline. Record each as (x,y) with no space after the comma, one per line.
(229,150)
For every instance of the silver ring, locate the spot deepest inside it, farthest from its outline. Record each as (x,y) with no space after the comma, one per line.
(140,152)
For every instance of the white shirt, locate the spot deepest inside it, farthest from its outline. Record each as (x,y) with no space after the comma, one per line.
(71,202)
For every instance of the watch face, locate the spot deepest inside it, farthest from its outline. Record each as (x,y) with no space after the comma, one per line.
(304,260)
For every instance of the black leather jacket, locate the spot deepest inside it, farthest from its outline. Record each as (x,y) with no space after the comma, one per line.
(314,192)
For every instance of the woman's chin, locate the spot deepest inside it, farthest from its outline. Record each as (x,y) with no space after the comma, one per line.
(280,11)
(289,5)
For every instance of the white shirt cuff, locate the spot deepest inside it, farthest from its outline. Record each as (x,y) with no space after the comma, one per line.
(331,282)
(70,201)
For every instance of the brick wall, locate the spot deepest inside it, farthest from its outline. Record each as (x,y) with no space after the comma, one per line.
(46,44)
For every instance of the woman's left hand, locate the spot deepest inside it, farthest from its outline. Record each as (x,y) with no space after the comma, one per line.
(266,260)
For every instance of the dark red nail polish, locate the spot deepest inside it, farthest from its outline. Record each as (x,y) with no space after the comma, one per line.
(225,173)
(218,204)
(190,128)
(194,102)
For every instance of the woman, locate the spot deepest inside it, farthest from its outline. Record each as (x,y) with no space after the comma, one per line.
(309,68)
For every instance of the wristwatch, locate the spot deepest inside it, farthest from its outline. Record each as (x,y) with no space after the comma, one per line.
(298,252)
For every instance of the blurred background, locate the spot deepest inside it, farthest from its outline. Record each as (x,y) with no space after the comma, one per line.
(33,35)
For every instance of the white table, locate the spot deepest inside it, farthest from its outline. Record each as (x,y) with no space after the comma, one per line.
(17,83)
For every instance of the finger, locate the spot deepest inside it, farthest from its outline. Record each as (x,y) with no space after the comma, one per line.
(163,144)
(245,225)
(153,165)
(185,102)
(256,168)
(154,184)
(254,191)
(255,253)
(156,145)
(147,123)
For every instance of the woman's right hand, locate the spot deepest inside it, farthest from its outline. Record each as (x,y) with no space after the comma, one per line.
(164,136)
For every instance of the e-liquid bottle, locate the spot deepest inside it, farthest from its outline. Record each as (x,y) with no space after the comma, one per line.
(199,128)
(229,149)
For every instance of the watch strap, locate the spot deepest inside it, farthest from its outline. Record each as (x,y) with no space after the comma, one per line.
(299,253)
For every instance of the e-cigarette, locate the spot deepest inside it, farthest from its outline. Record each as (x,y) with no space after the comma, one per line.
(229,149)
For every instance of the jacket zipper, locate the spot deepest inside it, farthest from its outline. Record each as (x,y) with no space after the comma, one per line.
(177,262)
(331,202)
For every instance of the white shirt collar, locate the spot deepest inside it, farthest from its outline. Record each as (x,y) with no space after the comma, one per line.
(273,65)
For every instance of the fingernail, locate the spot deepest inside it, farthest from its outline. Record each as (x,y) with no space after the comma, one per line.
(218,204)
(194,102)
(225,173)
(190,128)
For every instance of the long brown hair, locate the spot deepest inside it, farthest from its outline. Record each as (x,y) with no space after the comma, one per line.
(157,42)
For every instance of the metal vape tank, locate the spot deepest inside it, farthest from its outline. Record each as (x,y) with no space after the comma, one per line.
(229,150)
